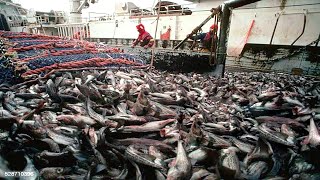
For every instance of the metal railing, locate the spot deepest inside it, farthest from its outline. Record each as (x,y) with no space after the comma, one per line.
(74,31)
(42,20)
(174,9)
(93,16)
(140,12)
(164,10)
(15,21)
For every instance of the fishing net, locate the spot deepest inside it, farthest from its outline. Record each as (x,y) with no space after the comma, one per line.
(24,55)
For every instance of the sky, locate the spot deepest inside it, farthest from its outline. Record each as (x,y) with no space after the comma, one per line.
(103,6)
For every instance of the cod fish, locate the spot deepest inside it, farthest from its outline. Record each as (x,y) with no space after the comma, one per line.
(181,168)
(313,138)
(229,165)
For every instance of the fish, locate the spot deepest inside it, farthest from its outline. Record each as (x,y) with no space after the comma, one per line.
(274,136)
(51,89)
(203,155)
(229,164)
(123,75)
(90,92)
(267,96)
(270,108)
(181,168)
(298,165)
(242,146)
(202,173)
(138,172)
(212,140)
(279,120)
(90,78)
(53,159)
(31,170)
(28,96)
(110,76)
(77,120)
(99,118)
(149,126)
(262,152)
(257,170)
(146,142)
(60,139)
(69,98)
(308,176)
(313,137)
(142,105)
(127,119)
(139,157)
(53,172)
(293,101)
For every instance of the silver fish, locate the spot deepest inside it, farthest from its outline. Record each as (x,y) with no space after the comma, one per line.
(137,156)
(181,168)
(229,165)
(314,137)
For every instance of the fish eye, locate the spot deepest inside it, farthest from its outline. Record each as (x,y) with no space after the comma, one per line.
(199,123)
(59,170)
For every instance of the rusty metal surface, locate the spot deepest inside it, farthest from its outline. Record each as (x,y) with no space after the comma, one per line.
(287,59)
(177,61)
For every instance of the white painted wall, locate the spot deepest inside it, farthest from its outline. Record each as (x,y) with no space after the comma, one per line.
(180,26)
(127,27)
(188,23)
(289,27)
(163,25)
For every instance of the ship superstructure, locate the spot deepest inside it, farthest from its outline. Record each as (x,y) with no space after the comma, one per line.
(266,35)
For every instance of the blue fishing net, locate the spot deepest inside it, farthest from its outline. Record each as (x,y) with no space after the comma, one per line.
(9,73)
(28,43)
(20,39)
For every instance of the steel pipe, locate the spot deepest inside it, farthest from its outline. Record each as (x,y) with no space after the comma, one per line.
(222,49)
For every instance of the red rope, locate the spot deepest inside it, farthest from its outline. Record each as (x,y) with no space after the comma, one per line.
(97,62)
(70,52)
(32,36)
(41,40)
(38,46)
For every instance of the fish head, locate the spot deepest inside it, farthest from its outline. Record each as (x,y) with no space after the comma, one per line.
(169,132)
(174,175)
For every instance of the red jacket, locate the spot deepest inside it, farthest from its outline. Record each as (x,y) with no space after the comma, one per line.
(143,38)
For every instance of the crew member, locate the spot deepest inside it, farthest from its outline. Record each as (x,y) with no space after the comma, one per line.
(206,38)
(144,38)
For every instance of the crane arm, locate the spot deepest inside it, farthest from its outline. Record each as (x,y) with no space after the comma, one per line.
(81,6)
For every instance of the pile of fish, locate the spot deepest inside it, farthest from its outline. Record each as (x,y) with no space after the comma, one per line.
(140,124)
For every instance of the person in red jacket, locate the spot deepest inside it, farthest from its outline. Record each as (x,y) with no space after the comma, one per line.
(206,38)
(144,38)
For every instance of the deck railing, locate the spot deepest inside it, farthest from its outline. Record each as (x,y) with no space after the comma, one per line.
(76,30)
(164,10)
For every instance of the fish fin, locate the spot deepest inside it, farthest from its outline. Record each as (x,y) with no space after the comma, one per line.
(193,161)
(264,102)
(306,141)
(180,135)
(100,168)
(130,104)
